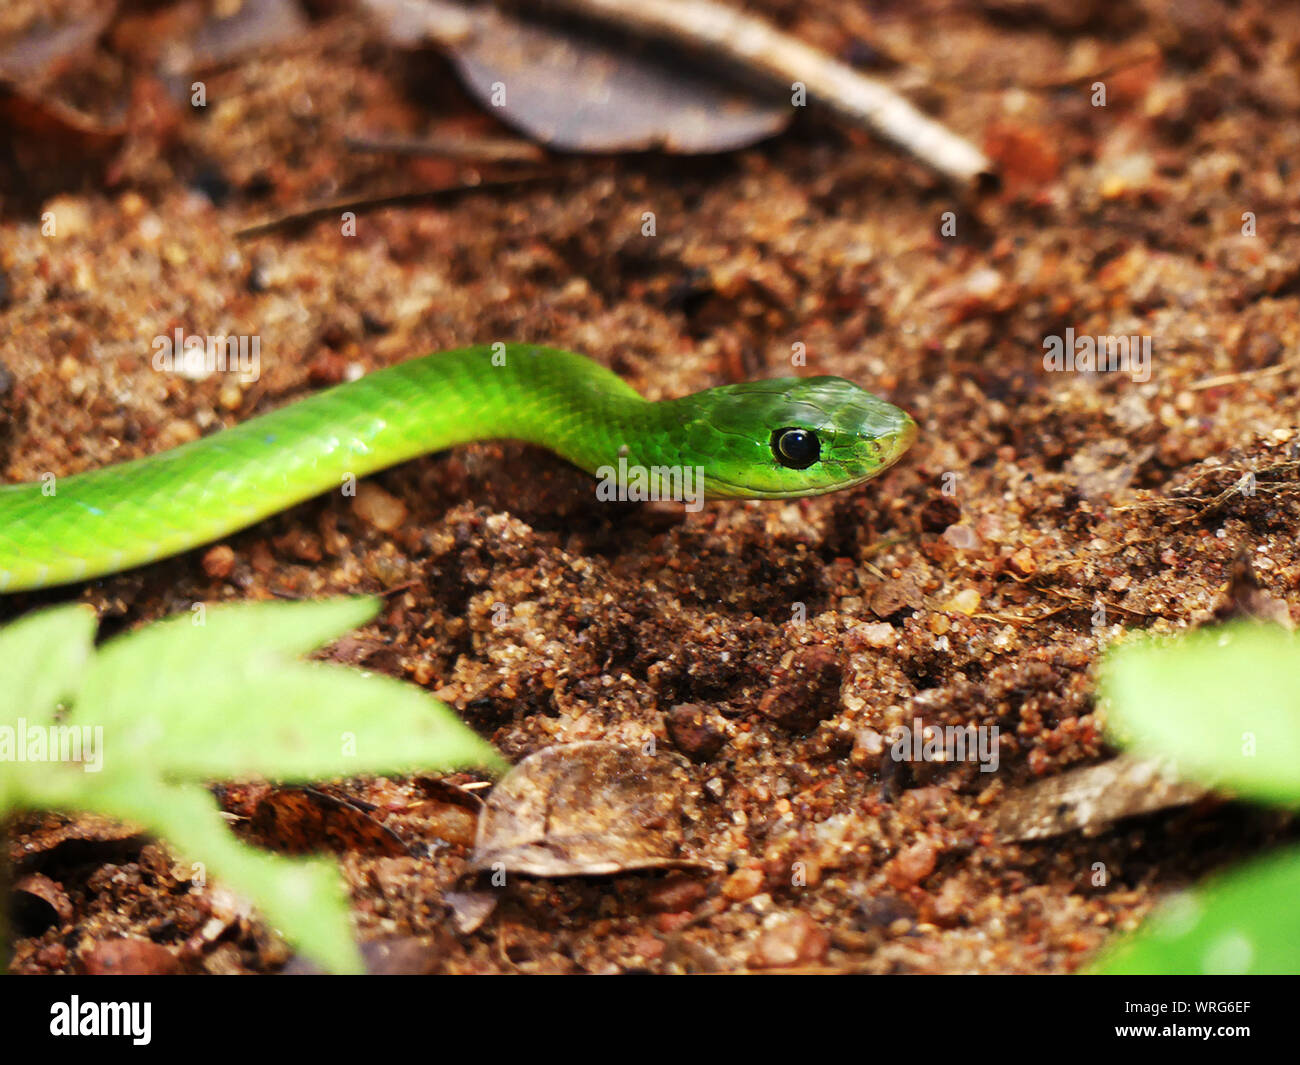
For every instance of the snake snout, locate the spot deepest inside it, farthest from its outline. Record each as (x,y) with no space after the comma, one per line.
(894,445)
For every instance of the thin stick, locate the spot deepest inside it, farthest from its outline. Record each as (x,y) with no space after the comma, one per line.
(1234,378)
(476,149)
(335,208)
(756,47)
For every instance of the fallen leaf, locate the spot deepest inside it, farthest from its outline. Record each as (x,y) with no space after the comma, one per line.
(297,820)
(1091,799)
(584,809)
(575,90)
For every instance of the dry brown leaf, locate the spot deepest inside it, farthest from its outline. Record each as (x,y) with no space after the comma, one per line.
(574,90)
(1091,799)
(584,809)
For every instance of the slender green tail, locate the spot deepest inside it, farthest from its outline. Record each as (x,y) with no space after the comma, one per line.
(752,440)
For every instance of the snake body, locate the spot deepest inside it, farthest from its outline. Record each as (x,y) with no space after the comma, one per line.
(763,439)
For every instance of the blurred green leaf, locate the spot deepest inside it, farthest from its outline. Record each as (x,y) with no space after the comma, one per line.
(263,713)
(42,657)
(221,693)
(1245,922)
(1223,703)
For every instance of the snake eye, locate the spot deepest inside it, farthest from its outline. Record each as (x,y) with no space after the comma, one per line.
(796,449)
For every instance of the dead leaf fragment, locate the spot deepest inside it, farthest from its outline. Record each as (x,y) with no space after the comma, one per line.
(49,839)
(40,902)
(303,820)
(576,90)
(586,809)
(1091,799)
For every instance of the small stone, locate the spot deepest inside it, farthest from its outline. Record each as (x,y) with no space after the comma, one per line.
(648,946)
(68,217)
(219,562)
(451,823)
(950,901)
(378,508)
(879,634)
(868,745)
(870,741)
(967,601)
(1022,563)
(939,513)
(301,545)
(132,205)
(401,956)
(693,733)
(52,956)
(798,940)
(807,692)
(912,865)
(129,957)
(231,396)
(962,537)
(262,559)
(743,884)
(670,922)
(676,894)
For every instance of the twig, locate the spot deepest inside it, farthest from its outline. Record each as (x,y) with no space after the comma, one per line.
(1021,619)
(334,208)
(1084,603)
(775,57)
(1234,378)
(445,146)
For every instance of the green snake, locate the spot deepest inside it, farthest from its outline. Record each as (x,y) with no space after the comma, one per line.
(764,439)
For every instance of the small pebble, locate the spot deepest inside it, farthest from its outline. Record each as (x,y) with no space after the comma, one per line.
(1022,563)
(962,537)
(677,894)
(129,957)
(806,693)
(798,940)
(879,634)
(867,746)
(378,508)
(231,396)
(912,864)
(743,884)
(219,561)
(693,732)
(967,601)
(70,216)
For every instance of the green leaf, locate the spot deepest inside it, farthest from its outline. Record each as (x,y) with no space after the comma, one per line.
(227,632)
(234,703)
(42,657)
(284,720)
(221,693)
(1223,703)
(1244,922)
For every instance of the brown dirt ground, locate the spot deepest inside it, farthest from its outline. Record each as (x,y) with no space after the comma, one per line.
(1115,220)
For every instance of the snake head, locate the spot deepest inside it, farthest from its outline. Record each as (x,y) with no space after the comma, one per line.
(792,436)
